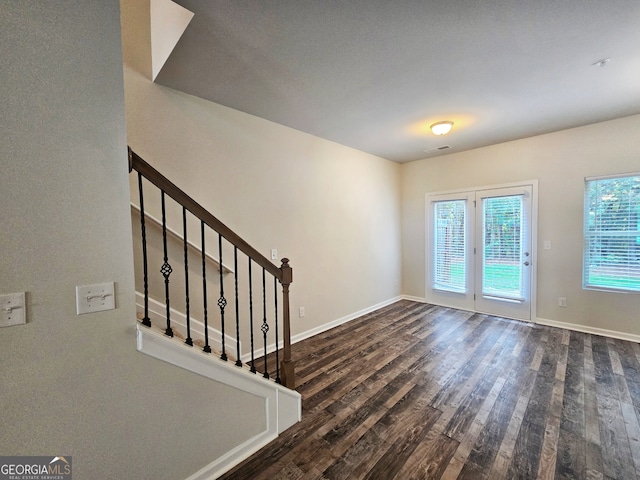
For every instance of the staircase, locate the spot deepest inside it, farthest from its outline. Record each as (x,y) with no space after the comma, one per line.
(229,341)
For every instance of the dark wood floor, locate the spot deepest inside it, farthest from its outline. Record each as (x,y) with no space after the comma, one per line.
(417,391)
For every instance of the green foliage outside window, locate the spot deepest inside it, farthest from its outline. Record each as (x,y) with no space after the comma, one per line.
(612,234)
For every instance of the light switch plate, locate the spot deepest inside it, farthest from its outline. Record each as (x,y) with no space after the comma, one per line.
(13,310)
(95,298)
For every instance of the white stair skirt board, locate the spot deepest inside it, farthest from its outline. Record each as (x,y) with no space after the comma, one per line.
(157,315)
(282,407)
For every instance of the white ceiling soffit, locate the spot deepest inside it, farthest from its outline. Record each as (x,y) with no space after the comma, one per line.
(374,74)
(168,22)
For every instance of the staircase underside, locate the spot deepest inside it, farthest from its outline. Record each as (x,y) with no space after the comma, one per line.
(282,406)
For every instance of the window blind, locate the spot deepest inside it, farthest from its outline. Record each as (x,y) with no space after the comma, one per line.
(611,254)
(449,245)
(502,247)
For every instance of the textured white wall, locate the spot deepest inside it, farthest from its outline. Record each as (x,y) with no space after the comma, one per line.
(76,385)
(560,161)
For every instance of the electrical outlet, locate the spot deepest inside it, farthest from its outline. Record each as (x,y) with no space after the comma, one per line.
(13,309)
(301,312)
(562,302)
(546,245)
(95,298)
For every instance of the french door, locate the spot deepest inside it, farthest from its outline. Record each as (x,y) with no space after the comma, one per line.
(479,250)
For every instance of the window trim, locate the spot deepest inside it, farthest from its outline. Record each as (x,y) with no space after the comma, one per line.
(441,286)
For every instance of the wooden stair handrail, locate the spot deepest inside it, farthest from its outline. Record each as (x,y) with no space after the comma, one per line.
(160,181)
(284,273)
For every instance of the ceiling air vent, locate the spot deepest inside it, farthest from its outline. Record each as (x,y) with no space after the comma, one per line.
(439,149)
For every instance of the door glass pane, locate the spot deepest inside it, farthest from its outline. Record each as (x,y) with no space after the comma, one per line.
(502,247)
(449,266)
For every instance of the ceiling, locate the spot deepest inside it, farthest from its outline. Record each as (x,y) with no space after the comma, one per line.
(374,74)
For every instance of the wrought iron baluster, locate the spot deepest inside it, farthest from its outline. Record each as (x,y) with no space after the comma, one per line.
(206,347)
(265,327)
(145,279)
(284,373)
(235,276)
(188,341)
(253,360)
(275,298)
(222,302)
(166,268)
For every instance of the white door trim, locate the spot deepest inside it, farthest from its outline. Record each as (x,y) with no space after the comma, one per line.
(534,235)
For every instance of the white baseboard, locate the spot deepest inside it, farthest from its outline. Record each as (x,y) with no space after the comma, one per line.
(414,299)
(259,352)
(569,326)
(328,326)
(592,330)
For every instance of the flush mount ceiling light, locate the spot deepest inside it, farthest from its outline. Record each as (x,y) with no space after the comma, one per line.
(441,128)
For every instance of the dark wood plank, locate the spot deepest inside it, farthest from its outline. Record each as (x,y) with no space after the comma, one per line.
(573,420)
(519,381)
(415,391)
(399,451)
(613,434)
(470,400)
(571,456)
(471,471)
(528,447)
(595,467)
(548,456)
(430,458)
(398,430)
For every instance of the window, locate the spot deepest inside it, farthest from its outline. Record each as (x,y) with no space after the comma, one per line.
(612,233)
(502,246)
(449,270)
